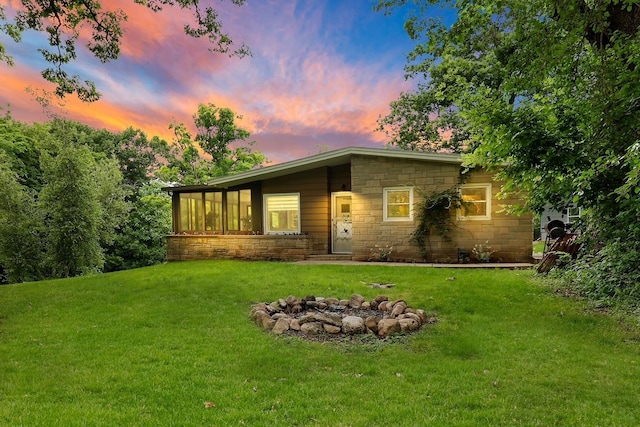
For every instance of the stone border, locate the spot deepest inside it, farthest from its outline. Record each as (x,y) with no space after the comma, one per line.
(312,316)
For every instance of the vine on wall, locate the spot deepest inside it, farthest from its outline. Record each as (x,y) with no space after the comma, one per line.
(434,217)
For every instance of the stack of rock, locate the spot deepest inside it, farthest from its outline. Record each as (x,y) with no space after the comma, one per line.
(313,316)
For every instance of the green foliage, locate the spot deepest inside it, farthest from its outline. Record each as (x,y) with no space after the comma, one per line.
(434,215)
(141,240)
(21,246)
(70,200)
(63,22)
(219,137)
(543,91)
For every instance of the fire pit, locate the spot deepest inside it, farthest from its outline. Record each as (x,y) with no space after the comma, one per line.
(313,316)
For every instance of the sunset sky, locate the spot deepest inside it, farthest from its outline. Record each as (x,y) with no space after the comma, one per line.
(321,73)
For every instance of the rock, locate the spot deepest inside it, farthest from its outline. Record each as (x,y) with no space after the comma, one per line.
(274,307)
(330,318)
(279,316)
(410,316)
(381,298)
(356,301)
(371,323)
(296,308)
(388,327)
(382,306)
(398,308)
(332,301)
(366,305)
(331,329)
(312,304)
(282,303)
(322,305)
(408,325)
(353,325)
(374,305)
(256,308)
(281,326)
(294,325)
(409,310)
(344,302)
(422,315)
(310,298)
(291,300)
(312,328)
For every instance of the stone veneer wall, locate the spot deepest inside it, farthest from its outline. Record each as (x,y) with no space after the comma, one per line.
(255,247)
(510,236)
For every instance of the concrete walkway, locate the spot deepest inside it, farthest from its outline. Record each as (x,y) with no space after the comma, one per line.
(509,265)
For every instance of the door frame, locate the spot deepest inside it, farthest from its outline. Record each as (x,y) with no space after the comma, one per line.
(335,195)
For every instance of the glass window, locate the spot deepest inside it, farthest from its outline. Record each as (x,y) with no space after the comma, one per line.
(191,212)
(573,214)
(398,202)
(213,211)
(239,210)
(476,200)
(282,212)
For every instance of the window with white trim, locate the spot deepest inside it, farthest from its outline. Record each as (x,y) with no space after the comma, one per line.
(282,213)
(476,201)
(398,204)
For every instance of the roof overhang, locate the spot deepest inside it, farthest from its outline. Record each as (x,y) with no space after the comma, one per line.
(330,158)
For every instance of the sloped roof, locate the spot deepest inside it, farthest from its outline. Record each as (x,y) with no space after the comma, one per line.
(330,158)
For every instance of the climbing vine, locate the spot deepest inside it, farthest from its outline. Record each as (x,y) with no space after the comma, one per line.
(434,217)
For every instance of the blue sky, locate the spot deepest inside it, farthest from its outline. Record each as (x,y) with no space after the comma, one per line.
(321,73)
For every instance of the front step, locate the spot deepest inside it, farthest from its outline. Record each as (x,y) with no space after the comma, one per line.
(329,257)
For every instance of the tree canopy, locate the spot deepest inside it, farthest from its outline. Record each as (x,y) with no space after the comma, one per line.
(545,89)
(66,22)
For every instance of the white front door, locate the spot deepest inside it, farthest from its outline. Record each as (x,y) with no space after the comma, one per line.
(341,222)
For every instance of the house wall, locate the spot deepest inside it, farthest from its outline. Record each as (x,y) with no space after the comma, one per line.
(315,210)
(509,236)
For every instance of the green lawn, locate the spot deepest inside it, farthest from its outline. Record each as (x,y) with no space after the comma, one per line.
(172,345)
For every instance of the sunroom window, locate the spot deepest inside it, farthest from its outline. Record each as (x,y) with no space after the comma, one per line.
(282,213)
(191,212)
(239,210)
(476,200)
(214,211)
(397,204)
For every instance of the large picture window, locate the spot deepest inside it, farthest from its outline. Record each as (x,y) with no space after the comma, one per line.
(398,203)
(215,211)
(476,200)
(282,213)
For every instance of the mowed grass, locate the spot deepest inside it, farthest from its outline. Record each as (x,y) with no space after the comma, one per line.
(172,345)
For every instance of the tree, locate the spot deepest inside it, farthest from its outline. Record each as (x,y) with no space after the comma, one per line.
(21,246)
(64,21)
(218,137)
(545,89)
(141,240)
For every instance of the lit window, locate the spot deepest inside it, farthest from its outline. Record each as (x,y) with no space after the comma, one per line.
(282,213)
(476,200)
(397,204)
(239,210)
(191,212)
(213,211)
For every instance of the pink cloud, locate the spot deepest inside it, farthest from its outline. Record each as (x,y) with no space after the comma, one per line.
(297,92)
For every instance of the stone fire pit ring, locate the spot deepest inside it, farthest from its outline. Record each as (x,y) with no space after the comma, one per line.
(312,316)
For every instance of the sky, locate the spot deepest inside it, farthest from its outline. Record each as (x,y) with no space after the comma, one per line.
(321,74)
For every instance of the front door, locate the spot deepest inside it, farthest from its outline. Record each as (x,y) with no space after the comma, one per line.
(341,222)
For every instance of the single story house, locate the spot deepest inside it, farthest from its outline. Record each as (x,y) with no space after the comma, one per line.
(348,203)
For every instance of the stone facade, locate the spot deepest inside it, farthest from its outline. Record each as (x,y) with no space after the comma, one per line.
(509,236)
(253,247)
